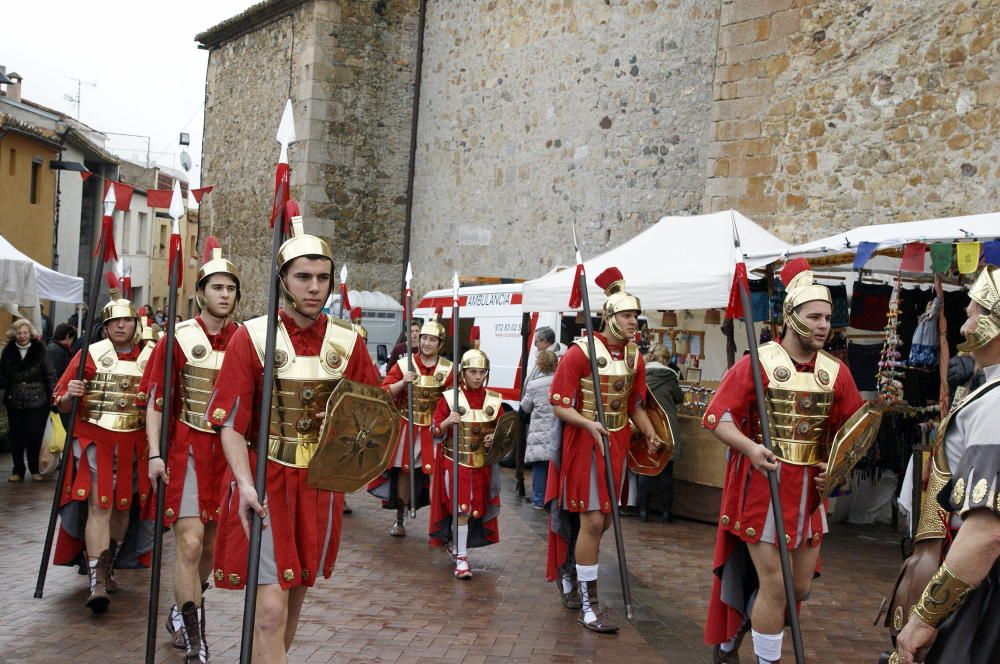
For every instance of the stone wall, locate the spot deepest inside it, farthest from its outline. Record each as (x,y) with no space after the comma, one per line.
(534,114)
(836,113)
(351,83)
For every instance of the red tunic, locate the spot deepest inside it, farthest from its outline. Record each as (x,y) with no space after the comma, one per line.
(569,478)
(478,490)
(297,513)
(205,447)
(121,462)
(746,497)
(423,438)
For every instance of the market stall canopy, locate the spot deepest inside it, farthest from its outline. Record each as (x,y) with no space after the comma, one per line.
(678,263)
(23,282)
(972,227)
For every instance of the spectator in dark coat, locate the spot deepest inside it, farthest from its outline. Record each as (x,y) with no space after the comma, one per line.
(27,381)
(399,350)
(663,381)
(61,351)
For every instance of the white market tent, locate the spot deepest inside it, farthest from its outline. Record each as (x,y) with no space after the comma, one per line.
(678,263)
(981,227)
(23,282)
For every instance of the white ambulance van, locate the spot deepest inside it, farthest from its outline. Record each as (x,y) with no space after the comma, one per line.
(505,331)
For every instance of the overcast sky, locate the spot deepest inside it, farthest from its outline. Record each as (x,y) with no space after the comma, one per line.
(148,71)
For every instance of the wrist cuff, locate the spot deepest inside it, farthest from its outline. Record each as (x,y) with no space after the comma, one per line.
(944,594)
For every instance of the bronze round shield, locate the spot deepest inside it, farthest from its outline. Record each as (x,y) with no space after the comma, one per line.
(198,352)
(125,383)
(823,376)
(123,403)
(280,358)
(357,438)
(107,362)
(782,373)
(307,395)
(505,435)
(602,362)
(333,358)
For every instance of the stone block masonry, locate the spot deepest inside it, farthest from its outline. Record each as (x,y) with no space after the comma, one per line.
(535,114)
(832,114)
(348,67)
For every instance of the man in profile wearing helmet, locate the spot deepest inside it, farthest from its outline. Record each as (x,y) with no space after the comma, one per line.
(430,378)
(478,484)
(809,394)
(576,492)
(109,454)
(301,534)
(958,532)
(192,473)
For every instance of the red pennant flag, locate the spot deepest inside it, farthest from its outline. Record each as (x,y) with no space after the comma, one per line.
(158,198)
(575,294)
(176,254)
(108,238)
(281,176)
(913,257)
(346,304)
(200,193)
(734,309)
(123,195)
(85,175)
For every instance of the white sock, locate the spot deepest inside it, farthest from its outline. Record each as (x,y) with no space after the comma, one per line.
(728,646)
(175,617)
(586,573)
(463,540)
(767,647)
(567,583)
(92,564)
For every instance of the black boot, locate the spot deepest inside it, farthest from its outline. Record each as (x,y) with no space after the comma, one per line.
(399,528)
(644,484)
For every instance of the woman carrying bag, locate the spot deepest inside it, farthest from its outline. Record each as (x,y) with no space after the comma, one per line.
(26,380)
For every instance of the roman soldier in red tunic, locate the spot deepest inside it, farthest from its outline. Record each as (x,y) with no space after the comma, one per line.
(478,481)
(301,534)
(809,394)
(430,378)
(576,492)
(99,497)
(192,473)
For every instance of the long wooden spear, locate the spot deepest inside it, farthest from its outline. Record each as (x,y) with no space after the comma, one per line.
(176,212)
(286,136)
(105,251)
(741,285)
(581,283)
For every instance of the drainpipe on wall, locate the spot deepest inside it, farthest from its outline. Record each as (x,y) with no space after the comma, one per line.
(411,168)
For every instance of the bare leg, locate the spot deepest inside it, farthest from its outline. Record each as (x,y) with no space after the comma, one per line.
(803,569)
(588,542)
(189,533)
(118,525)
(768,615)
(207,553)
(295,598)
(403,487)
(97,533)
(271,624)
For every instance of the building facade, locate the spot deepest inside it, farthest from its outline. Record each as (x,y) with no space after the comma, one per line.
(809,116)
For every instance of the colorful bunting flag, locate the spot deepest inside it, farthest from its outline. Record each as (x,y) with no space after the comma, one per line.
(913,257)
(991,252)
(941,254)
(967,254)
(865,251)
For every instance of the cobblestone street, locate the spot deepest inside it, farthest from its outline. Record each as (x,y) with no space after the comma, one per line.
(395,600)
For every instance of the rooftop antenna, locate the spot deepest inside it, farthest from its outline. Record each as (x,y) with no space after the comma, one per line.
(76,99)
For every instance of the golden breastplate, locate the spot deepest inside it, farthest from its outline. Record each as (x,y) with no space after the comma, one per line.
(798,404)
(476,424)
(198,375)
(616,378)
(302,385)
(110,394)
(427,390)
